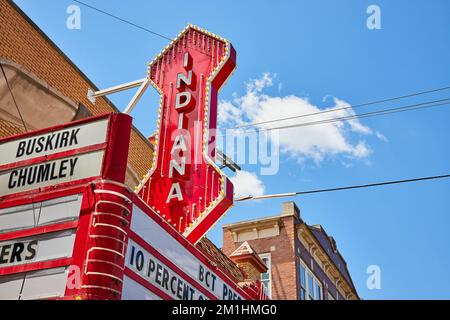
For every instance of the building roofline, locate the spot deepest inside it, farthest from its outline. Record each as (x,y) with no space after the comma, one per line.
(352,286)
(329,241)
(249,222)
(257,221)
(339,253)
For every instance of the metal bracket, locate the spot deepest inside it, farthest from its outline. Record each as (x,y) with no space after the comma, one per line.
(226,161)
(141,83)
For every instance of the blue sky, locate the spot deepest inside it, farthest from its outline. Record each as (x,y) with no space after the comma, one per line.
(312,52)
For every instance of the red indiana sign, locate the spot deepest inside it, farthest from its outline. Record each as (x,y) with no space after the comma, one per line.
(184,185)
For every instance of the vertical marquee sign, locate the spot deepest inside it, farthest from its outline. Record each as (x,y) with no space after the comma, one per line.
(184,185)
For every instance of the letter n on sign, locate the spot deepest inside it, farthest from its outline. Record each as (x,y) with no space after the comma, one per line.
(184,186)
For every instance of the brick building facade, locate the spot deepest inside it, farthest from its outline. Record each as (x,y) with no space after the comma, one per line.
(48,87)
(303,261)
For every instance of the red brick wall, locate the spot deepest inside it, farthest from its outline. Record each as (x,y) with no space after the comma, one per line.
(23,44)
(283,258)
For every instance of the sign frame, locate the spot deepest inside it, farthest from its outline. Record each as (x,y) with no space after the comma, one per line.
(112,166)
(227,278)
(80,224)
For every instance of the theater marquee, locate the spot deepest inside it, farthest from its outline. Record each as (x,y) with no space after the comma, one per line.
(184,185)
(70,228)
(65,154)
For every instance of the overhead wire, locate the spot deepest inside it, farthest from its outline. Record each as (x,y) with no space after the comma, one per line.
(13,98)
(414,94)
(407,108)
(360,186)
(123,20)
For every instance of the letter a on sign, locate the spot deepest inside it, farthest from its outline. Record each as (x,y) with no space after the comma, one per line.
(184,185)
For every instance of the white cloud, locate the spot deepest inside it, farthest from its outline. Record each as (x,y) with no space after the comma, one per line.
(347,111)
(258,85)
(315,142)
(381,136)
(247,184)
(228,112)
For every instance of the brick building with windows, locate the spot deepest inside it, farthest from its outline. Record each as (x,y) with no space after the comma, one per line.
(303,261)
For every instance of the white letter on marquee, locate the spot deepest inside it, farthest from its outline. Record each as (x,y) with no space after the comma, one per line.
(187,80)
(179,143)
(187,101)
(178,167)
(177,194)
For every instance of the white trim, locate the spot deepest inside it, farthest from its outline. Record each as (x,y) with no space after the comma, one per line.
(269,271)
(315,280)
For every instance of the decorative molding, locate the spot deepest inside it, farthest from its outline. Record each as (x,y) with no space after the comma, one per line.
(325,262)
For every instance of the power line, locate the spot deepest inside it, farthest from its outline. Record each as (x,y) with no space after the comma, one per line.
(276,120)
(369,185)
(345,108)
(407,108)
(423,105)
(123,20)
(14,99)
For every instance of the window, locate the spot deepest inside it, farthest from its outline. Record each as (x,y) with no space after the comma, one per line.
(310,287)
(317,291)
(302,283)
(266,276)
